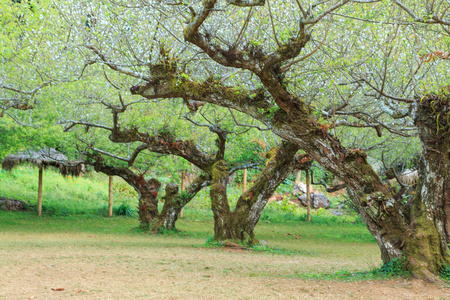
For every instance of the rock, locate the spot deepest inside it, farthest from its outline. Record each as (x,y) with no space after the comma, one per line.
(336,212)
(11,204)
(299,188)
(318,200)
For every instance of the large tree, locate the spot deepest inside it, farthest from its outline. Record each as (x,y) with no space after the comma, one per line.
(305,70)
(269,48)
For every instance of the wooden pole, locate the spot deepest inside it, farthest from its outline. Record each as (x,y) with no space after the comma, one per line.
(110,202)
(308,197)
(39,203)
(183,187)
(244,187)
(298,177)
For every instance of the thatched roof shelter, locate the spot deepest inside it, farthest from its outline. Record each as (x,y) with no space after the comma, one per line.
(44,158)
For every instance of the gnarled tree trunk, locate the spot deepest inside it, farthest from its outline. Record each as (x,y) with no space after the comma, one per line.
(251,204)
(148,202)
(149,216)
(171,209)
(219,201)
(174,202)
(240,223)
(426,246)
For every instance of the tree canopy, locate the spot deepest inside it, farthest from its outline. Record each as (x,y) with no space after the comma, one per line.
(351,83)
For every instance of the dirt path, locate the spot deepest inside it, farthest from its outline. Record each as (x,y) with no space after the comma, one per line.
(91,267)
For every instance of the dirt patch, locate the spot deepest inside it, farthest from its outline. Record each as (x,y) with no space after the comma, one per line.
(61,266)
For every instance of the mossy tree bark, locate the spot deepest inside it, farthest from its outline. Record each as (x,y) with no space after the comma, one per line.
(420,229)
(251,204)
(426,245)
(219,201)
(417,230)
(149,215)
(175,201)
(239,224)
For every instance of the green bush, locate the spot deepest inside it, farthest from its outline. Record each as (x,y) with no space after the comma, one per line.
(394,267)
(124,210)
(211,243)
(445,272)
(285,210)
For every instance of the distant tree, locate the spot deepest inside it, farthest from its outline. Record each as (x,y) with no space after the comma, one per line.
(238,224)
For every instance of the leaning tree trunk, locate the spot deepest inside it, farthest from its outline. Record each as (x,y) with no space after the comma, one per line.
(251,203)
(420,229)
(239,225)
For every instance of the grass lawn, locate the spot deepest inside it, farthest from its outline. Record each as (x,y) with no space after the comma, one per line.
(74,251)
(93,257)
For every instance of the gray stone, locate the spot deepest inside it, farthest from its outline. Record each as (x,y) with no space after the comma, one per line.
(12,205)
(318,200)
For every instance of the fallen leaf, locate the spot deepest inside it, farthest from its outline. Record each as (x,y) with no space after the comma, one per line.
(58,289)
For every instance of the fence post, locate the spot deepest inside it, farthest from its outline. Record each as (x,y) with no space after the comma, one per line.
(244,187)
(39,204)
(183,187)
(308,197)
(110,202)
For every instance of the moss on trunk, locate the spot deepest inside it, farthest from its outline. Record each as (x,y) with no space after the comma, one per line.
(148,203)
(219,201)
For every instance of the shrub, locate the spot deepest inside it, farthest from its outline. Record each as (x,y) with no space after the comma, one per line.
(445,272)
(124,210)
(395,267)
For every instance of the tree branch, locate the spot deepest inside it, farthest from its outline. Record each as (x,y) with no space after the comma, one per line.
(246,3)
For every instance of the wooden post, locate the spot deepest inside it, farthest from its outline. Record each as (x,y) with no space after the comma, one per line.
(308,197)
(298,177)
(183,187)
(244,187)
(110,202)
(39,202)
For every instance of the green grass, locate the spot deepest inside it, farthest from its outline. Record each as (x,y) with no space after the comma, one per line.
(63,196)
(338,242)
(77,206)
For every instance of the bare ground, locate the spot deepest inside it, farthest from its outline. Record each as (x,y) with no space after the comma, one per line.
(64,266)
